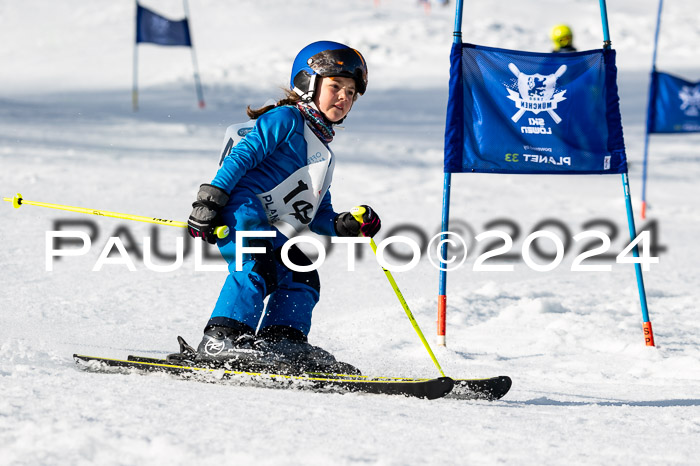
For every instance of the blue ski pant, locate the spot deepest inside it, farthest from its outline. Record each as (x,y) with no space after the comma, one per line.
(292,295)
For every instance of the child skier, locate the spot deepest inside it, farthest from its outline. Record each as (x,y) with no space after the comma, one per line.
(276,180)
(563,39)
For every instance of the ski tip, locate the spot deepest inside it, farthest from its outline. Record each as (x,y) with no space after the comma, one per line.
(489,389)
(498,388)
(506,383)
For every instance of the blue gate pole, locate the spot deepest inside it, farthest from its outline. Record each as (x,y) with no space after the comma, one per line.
(648,333)
(649,107)
(446,188)
(442,293)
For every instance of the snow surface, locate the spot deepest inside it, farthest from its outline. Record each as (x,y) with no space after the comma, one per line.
(586,389)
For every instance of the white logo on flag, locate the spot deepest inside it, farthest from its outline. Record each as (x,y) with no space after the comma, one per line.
(536,93)
(691,100)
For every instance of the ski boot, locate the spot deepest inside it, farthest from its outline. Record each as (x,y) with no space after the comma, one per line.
(229,348)
(291,345)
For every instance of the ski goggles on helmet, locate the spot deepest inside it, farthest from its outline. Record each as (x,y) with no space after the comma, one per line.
(346,63)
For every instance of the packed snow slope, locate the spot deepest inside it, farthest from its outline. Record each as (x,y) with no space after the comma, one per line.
(586,389)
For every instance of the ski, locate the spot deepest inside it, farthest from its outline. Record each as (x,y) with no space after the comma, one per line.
(420,388)
(492,388)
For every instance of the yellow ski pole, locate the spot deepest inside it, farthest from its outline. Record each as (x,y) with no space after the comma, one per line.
(17,201)
(358,212)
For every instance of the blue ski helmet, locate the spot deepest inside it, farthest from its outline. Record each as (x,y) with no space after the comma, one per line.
(326,59)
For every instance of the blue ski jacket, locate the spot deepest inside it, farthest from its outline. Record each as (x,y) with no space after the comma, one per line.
(269,154)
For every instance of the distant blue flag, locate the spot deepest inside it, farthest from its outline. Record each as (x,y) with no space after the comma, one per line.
(156,29)
(674,105)
(536,113)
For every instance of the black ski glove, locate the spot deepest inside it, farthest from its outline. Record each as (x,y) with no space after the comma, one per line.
(347,225)
(203,219)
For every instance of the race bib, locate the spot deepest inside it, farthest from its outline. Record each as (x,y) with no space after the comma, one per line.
(291,205)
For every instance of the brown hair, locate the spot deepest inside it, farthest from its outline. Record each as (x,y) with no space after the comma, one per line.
(290,98)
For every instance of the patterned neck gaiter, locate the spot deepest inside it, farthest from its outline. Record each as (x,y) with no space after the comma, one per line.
(317,122)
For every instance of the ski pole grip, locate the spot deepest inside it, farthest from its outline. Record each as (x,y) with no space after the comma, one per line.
(357,213)
(222,231)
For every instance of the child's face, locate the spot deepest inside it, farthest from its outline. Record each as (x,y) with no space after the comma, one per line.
(335,97)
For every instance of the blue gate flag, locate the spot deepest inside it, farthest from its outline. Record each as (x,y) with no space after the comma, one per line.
(156,29)
(533,113)
(674,105)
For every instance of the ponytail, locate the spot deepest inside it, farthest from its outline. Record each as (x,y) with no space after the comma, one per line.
(290,98)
